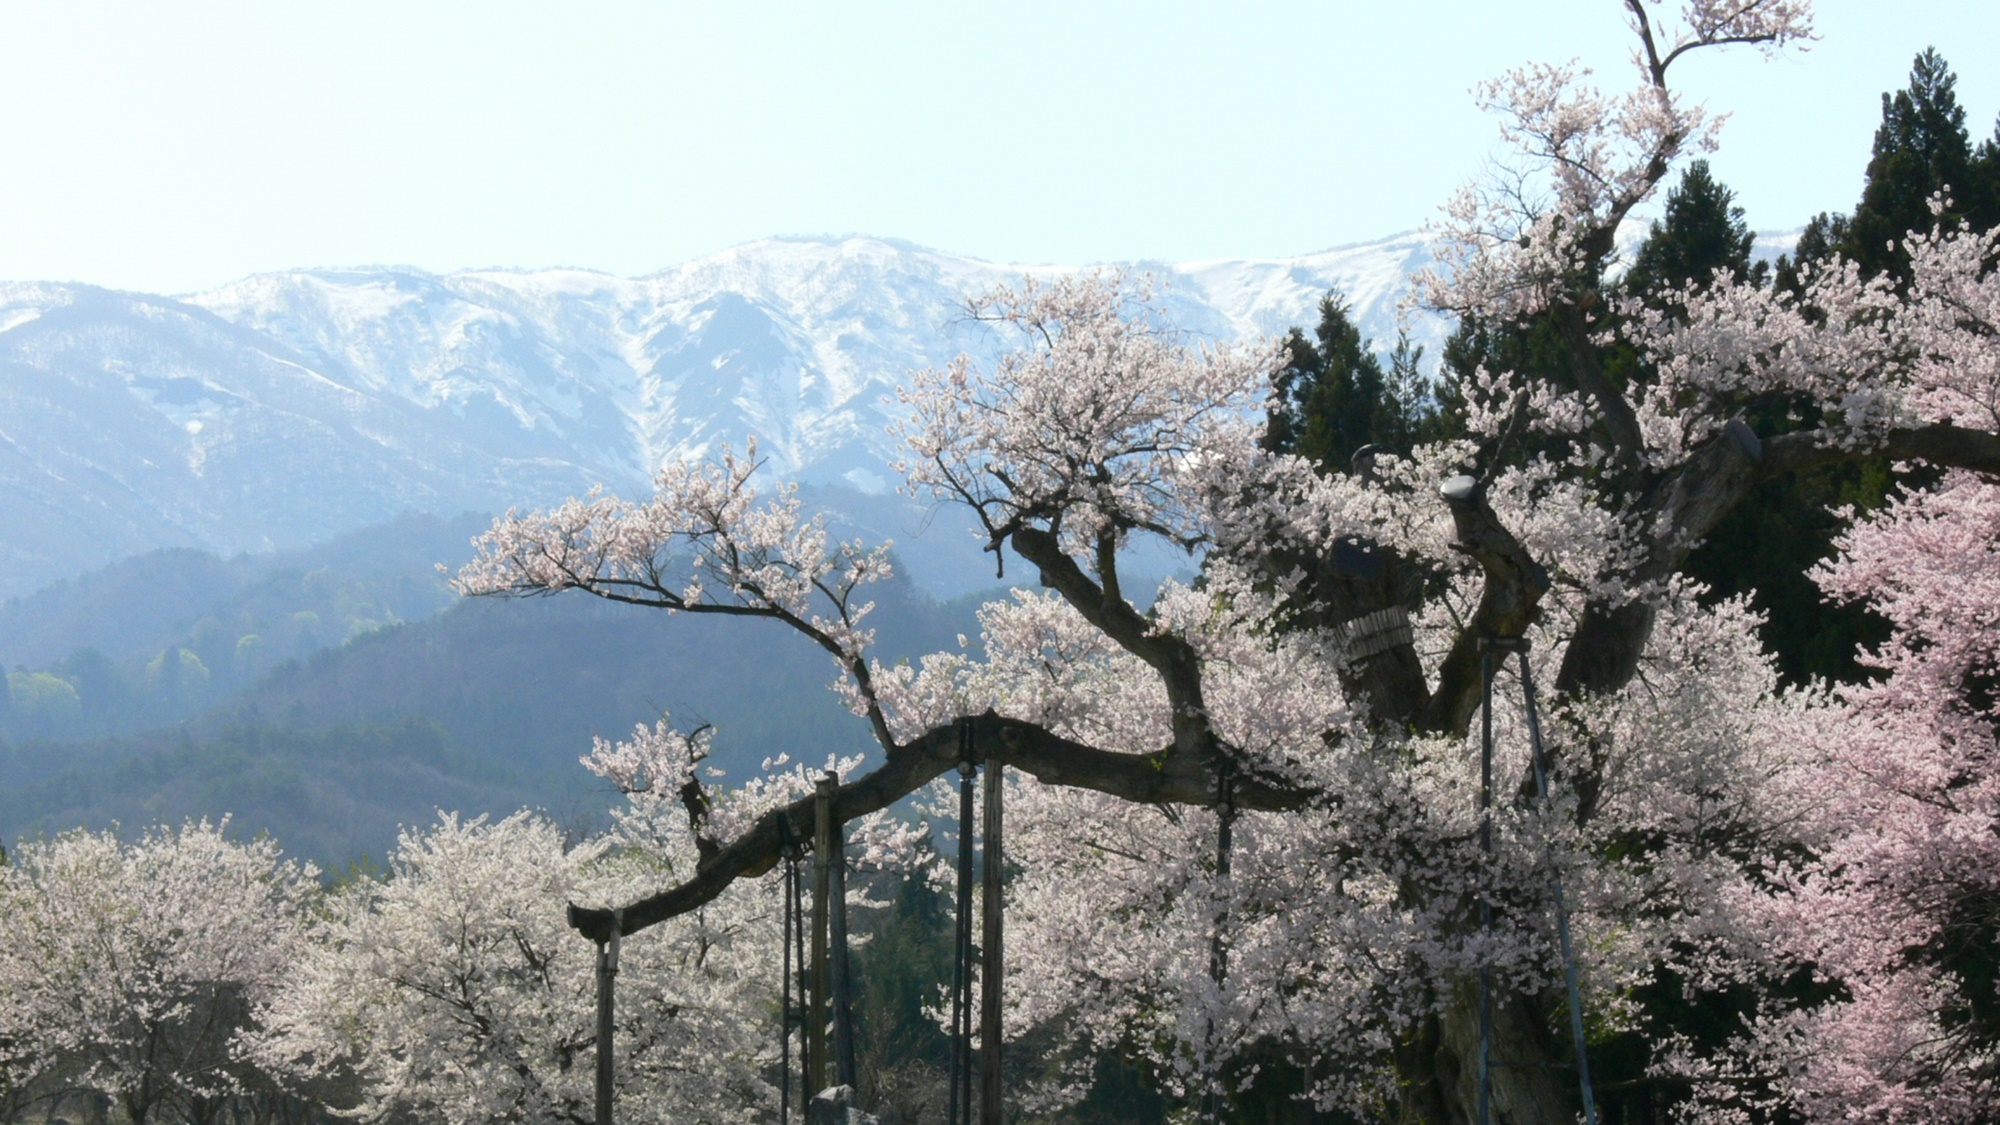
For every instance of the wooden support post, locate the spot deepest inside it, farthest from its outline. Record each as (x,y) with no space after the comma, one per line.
(790,890)
(816,1016)
(607,976)
(793,935)
(843,984)
(1485,1076)
(990,1110)
(959,1100)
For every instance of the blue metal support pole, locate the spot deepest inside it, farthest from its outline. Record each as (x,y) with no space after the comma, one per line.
(1562,911)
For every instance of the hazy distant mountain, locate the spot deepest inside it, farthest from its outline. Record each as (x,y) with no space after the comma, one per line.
(482,708)
(325,419)
(138,606)
(287,408)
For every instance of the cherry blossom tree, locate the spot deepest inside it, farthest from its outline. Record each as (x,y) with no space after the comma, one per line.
(129,970)
(452,990)
(28,1056)
(1899,905)
(1317,688)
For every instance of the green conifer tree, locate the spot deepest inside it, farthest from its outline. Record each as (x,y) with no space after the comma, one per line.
(1822,238)
(1921,149)
(1983,201)
(1766,546)
(1701,231)
(1333,396)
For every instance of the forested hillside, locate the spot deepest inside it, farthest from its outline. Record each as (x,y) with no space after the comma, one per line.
(482,707)
(161,637)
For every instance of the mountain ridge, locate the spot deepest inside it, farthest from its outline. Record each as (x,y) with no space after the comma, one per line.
(288,407)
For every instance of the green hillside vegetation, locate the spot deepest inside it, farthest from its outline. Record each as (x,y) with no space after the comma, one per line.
(336,796)
(530,682)
(485,707)
(162,637)
(140,605)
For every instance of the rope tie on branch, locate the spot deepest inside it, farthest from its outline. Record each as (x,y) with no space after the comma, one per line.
(1374,633)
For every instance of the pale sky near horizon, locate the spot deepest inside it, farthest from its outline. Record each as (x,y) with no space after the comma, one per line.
(178,147)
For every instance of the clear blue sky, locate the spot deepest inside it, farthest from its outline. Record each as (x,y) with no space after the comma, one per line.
(179,146)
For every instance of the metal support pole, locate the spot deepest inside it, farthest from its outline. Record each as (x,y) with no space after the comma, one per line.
(843,1006)
(959,1097)
(800,961)
(607,975)
(989,951)
(816,1018)
(1485,899)
(785,1004)
(1562,911)
(788,1014)
(1218,948)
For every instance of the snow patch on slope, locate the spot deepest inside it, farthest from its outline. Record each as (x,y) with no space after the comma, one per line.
(289,407)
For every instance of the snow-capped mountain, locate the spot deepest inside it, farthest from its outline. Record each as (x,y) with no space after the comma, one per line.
(289,407)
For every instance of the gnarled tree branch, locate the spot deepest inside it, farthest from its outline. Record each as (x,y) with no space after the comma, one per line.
(1169,776)
(1513,589)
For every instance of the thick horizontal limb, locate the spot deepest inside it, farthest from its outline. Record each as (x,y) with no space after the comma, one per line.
(1693,498)
(1685,505)
(1167,777)
(1953,447)
(1689,502)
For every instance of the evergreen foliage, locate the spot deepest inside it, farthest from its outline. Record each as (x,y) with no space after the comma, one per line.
(1823,237)
(1702,231)
(1921,149)
(478,708)
(1766,547)
(1333,396)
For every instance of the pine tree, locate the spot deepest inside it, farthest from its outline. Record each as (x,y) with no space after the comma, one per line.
(1768,544)
(1983,196)
(1921,149)
(1822,238)
(1433,406)
(1532,347)
(1702,231)
(1333,397)
(1766,547)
